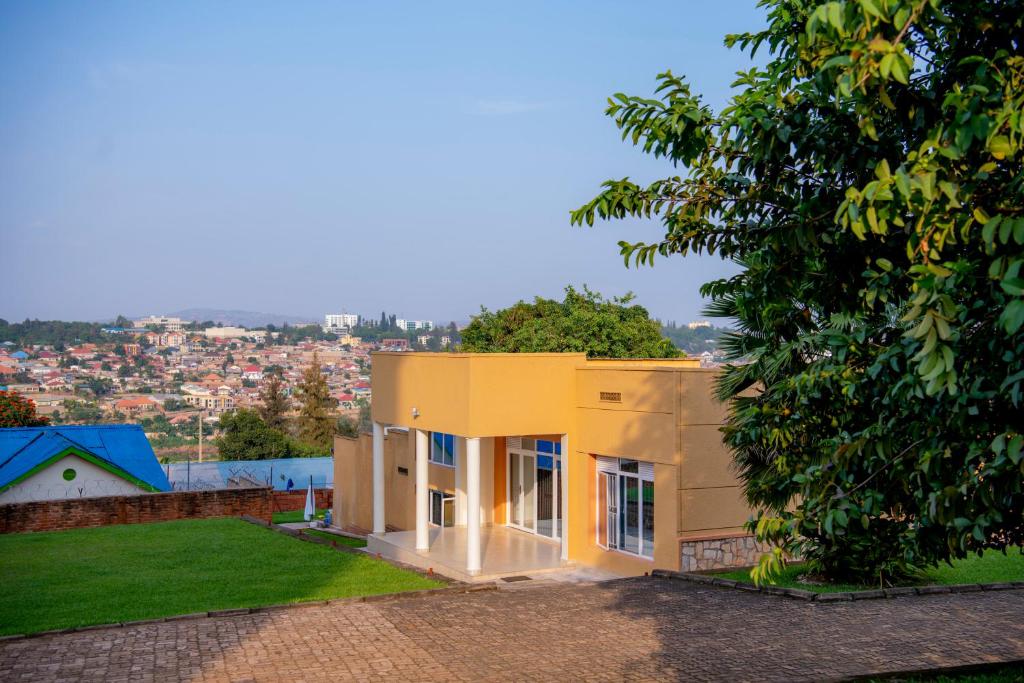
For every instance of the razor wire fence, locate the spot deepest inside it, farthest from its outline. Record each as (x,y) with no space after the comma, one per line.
(282,474)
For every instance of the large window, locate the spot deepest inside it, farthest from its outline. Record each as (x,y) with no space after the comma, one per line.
(625,506)
(442,508)
(442,449)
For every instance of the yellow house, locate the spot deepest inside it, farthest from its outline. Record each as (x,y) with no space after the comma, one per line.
(489,465)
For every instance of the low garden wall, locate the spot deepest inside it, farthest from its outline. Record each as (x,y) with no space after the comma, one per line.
(723,552)
(296,499)
(76,513)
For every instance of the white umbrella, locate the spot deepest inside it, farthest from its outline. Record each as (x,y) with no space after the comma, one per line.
(310,502)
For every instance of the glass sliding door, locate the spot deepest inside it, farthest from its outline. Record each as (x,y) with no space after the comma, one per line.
(625,506)
(534,489)
(629,518)
(647,519)
(522,483)
(515,485)
(608,510)
(529,471)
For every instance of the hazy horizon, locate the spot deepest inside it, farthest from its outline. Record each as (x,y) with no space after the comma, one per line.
(329,157)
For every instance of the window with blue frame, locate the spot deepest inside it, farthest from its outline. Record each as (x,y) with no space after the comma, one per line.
(543,446)
(442,449)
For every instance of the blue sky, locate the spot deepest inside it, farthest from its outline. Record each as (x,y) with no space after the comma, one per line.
(312,157)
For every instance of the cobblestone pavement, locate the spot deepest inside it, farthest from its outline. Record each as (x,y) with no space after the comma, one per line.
(633,629)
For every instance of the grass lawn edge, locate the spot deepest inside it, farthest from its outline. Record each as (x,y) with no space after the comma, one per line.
(427,584)
(242,611)
(809,594)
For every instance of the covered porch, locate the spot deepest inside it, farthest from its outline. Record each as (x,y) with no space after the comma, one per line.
(503,552)
(506,513)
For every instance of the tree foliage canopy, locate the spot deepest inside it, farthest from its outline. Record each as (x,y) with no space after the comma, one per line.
(275,402)
(18,411)
(316,420)
(245,436)
(868,180)
(583,322)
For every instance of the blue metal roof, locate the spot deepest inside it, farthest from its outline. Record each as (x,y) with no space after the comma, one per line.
(124,446)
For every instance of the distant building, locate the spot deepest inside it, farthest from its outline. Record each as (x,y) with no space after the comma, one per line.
(698,323)
(395,344)
(230,333)
(135,406)
(423,339)
(252,372)
(164,339)
(340,322)
(169,324)
(412,325)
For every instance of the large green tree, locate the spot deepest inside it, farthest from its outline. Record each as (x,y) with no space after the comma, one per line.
(275,402)
(584,322)
(316,420)
(245,436)
(868,180)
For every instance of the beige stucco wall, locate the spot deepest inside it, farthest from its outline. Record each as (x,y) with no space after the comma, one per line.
(711,502)
(49,484)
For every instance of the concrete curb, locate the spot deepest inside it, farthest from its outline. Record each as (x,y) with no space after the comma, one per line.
(245,611)
(844,596)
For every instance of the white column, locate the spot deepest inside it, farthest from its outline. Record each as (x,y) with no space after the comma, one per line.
(564,493)
(460,482)
(473,505)
(422,489)
(378,478)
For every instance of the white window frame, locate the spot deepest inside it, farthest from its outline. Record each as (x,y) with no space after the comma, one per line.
(514,448)
(644,474)
(430,508)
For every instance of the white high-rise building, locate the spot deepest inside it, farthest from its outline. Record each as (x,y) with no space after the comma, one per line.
(408,325)
(169,324)
(334,322)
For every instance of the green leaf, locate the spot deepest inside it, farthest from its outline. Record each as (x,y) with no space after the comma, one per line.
(1013,316)
(900,71)
(1013,450)
(988,233)
(1000,147)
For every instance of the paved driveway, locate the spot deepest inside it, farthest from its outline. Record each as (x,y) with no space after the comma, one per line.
(634,629)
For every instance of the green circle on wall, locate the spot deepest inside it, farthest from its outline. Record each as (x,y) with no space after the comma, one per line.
(69,474)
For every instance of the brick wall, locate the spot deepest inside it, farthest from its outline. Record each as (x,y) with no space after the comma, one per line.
(74,513)
(296,499)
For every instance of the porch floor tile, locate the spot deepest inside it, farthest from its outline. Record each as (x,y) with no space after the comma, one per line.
(503,552)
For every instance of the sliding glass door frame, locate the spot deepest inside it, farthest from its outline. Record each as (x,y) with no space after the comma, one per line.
(523,505)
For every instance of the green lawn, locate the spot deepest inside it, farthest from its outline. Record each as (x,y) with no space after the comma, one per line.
(293,516)
(143,571)
(342,540)
(993,567)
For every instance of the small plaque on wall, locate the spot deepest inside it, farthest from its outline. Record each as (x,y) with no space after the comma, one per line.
(611,396)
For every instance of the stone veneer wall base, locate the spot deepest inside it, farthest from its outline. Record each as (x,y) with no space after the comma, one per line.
(719,553)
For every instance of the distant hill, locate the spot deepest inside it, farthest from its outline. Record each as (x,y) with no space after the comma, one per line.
(241,318)
(693,341)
